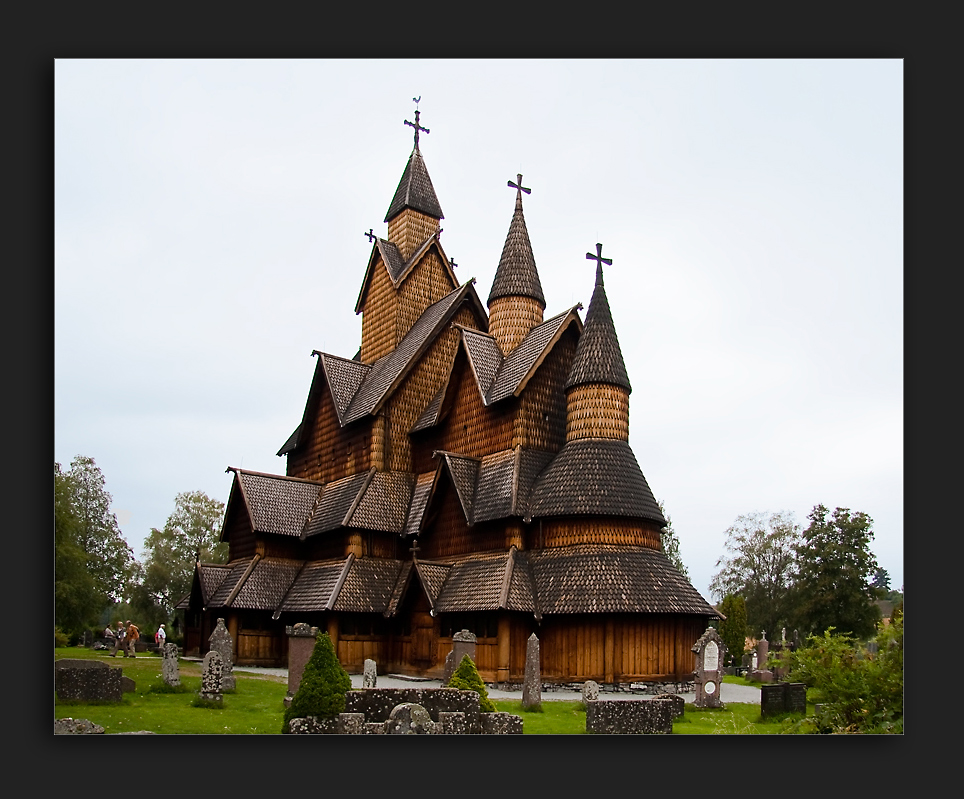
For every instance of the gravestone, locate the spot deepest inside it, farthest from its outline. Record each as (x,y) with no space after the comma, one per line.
(710,652)
(212,672)
(463,643)
(783,697)
(88,680)
(532,684)
(370,676)
(221,642)
(301,643)
(449,668)
(77,727)
(590,691)
(169,667)
(409,718)
(760,672)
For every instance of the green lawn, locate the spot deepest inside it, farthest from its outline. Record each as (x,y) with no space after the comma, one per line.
(256,706)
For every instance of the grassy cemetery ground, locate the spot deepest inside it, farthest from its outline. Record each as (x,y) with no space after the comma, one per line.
(256,706)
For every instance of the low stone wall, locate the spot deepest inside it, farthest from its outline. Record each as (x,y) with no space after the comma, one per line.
(377,703)
(632,716)
(89,680)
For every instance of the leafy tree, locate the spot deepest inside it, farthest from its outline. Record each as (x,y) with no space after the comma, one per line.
(324,684)
(77,601)
(190,532)
(670,543)
(759,567)
(835,573)
(732,629)
(858,690)
(466,678)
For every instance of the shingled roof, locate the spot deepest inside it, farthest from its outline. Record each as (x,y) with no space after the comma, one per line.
(594,476)
(369,500)
(491,581)
(598,357)
(600,578)
(415,190)
(275,504)
(516,275)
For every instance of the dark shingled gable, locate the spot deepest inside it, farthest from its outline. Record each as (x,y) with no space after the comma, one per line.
(420,496)
(415,190)
(369,586)
(344,378)
(598,357)
(232,580)
(474,583)
(335,503)
(265,587)
(594,476)
(432,577)
(384,502)
(314,586)
(464,472)
(599,578)
(277,504)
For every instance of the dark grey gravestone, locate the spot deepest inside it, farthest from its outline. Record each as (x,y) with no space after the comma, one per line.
(463,643)
(370,677)
(222,642)
(532,684)
(88,680)
(212,669)
(796,697)
(169,667)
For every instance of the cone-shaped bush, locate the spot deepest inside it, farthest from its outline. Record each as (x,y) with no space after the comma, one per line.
(466,678)
(323,685)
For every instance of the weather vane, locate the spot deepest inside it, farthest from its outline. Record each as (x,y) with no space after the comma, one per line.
(415,124)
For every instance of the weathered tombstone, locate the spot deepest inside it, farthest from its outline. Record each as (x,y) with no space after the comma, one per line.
(753,661)
(409,718)
(710,652)
(760,672)
(212,672)
(590,691)
(370,676)
(77,727)
(169,667)
(449,668)
(463,643)
(532,684)
(301,643)
(88,680)
(222,643)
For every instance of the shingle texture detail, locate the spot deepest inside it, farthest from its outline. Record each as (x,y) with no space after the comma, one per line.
(594,476)
(211,577)
(231,580)
(314,586)
(420,497)
(415,190)
(344,378)
(385,502)
(519,363)
(432,577)
(611,579)
(369,585)
(517,275)
(598,357)
(335,503)
(464,472)
(278,505)
(267,584)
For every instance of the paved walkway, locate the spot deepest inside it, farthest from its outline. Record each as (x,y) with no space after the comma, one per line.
(729,692)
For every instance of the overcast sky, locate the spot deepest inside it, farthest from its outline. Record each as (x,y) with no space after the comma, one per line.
(209,234)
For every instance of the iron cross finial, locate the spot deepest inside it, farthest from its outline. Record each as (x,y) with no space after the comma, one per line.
(598,256)
(371,235)
(414,548)
(519,187)
(415,124)
(453,263)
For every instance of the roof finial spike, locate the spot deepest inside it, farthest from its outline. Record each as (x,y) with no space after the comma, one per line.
(415,124)
(599,262)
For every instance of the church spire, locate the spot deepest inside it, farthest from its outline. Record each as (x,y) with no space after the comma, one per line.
(516,302)
(597,391)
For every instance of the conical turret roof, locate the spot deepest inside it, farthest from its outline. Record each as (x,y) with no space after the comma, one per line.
(598,357)
(517,275)
(415,190)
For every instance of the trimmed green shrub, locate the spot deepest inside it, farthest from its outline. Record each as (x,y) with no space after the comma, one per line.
(60,638)
(323,685)
(466,678)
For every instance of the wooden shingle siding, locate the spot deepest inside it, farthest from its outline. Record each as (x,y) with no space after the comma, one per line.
(541,410)
(379,317)
(409,229)
(511,319)
(597,410)
(567,532)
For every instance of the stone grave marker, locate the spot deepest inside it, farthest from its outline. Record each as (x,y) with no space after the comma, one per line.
(301,643)
(222,642)
(710,652)
(212,671)
(449,668)
(463,643)
(370,676)
(590,691)
(409,718)
(169,667)
(532,684)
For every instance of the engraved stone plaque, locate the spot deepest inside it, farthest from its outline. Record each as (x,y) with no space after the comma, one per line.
(711,657)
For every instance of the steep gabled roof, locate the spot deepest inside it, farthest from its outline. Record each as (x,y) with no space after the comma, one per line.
(600,578)
(597,477)
(316,586)
(415,190)
(369,586)
(369,500)
(424,485)
(344,378)
(491,581)
(516,275)
(505,483)
(273,503)
(464,472)
(265,585)
(397,267)
(598,357)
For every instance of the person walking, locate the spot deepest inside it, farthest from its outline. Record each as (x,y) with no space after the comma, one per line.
(132,635)
(118,639)
(160,638)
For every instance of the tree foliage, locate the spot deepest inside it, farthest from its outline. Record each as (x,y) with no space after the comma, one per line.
(670,543)
(192,531)
(732,629)
(835,574)
(759,566)
(858,690)
(324,684)
(93,563)
(466,678)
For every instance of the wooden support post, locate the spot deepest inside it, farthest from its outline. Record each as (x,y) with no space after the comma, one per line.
(505,640)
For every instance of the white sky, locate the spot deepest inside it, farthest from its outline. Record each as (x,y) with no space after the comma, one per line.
(209,221)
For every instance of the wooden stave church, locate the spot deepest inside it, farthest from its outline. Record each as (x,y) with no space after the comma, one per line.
(467,469)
